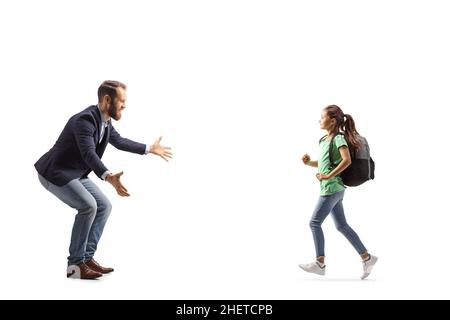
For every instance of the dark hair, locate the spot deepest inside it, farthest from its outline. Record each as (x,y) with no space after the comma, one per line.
(345,124)
(109,87)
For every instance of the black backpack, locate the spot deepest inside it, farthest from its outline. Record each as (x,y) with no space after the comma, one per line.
(362,168)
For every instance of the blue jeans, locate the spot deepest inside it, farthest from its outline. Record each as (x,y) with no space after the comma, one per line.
(93,212)
(326,204)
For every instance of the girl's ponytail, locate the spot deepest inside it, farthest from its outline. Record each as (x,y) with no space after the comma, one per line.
(350,132)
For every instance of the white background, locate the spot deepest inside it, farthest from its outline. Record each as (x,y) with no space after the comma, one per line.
(236,89)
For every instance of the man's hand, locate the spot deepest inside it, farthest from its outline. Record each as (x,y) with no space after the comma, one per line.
(160,150)
(321,176)
(114,179)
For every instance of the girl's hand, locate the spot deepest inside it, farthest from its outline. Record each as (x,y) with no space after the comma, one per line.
(321,176)
(306,159)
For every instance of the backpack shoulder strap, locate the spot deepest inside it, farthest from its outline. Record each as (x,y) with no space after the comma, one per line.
(330,149)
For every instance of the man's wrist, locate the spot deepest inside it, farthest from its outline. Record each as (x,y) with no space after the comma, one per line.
(105,175)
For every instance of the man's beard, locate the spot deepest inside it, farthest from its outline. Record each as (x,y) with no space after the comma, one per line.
(112,112)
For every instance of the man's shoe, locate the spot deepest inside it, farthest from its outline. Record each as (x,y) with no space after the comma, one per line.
(93,265)
(82,271)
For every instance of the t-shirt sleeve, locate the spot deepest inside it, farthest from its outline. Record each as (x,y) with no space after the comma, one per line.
(340,141)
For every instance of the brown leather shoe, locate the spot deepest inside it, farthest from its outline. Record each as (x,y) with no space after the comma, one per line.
(82,271)
(93,265)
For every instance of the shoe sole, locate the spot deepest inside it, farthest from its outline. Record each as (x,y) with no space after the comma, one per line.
(73,276)
(320,274)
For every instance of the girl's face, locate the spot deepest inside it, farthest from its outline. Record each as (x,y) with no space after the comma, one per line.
(326,123)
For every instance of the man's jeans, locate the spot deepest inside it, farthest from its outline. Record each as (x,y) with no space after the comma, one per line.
(325,205)
(93,212)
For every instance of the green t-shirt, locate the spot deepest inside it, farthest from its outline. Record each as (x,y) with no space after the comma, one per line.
(334,184)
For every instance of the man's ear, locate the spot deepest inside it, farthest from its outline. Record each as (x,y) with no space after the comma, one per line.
(107,99)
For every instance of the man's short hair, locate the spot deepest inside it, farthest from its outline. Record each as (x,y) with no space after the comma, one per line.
(109,87)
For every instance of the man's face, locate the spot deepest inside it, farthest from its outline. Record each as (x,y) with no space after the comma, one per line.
(115,108)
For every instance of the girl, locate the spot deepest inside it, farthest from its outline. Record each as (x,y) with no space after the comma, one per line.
(334,121)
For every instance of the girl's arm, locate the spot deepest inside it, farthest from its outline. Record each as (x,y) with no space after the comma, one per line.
(307,160)
(346,161)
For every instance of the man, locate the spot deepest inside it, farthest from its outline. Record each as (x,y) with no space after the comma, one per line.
(64,172)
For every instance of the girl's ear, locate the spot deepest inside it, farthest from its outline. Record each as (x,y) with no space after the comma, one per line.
(333,123)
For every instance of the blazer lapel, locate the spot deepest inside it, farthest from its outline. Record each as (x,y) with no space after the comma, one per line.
(98,122)
(107,132)
(102,145)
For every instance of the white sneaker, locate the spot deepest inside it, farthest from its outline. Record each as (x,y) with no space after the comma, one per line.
(314,267)
(368,265)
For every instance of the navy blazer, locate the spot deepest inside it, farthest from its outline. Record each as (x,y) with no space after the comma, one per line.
(77,152)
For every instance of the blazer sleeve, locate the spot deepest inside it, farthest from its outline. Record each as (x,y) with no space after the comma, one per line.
(84,136)
(125,144)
